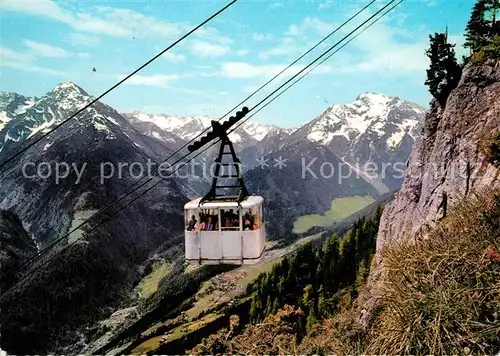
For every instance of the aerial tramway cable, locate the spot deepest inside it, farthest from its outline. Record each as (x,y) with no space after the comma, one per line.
(324,54)
(317,65)
(215,142)
(130,188)
(17,154)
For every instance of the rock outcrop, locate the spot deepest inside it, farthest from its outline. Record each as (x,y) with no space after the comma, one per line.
(16,246)
(446,164)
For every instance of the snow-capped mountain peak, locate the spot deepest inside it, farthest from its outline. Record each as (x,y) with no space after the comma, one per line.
(69,96)
(38,116)
(188,127)
(370,113)
(375,98)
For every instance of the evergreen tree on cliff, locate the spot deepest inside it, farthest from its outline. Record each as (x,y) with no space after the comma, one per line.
(477,28)
(444,71)
(492,7)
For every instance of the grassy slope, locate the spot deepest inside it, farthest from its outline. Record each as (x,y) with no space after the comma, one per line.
(439,295)
(149,284)
(210,299)
(341,208)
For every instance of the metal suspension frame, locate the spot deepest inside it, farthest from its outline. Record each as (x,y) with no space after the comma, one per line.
(220,131)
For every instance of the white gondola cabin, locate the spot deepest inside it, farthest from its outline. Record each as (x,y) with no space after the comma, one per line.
(222,232)
(224,228)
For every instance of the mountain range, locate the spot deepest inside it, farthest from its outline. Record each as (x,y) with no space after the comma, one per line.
(374,128)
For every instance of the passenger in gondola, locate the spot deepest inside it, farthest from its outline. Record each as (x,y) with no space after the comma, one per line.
(192,223)
(209,226)
(253,221)
(236,222)
(227,220)
(233,219)
(247,224)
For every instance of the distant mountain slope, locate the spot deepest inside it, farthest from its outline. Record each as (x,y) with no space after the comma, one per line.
(16,246)
(72,295)
(374,128)
(187,127)
(98,138)
(310,177)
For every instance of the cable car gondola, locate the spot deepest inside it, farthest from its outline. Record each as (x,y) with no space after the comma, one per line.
(221,228)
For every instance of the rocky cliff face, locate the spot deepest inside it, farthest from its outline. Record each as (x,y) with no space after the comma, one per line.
(16,246)
(446,163)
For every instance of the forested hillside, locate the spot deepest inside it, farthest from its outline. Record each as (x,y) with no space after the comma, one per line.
(316,281)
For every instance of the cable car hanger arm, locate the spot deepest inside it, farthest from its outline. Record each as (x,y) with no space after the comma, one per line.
(220,131)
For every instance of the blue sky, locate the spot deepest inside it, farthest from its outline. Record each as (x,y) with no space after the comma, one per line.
(46,42)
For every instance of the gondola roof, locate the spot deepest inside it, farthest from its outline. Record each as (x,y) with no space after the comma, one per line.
(248,202)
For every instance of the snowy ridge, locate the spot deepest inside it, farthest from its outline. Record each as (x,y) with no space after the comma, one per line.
(184,127)
(188,127)
(374,114)
(23,118)
(12,104)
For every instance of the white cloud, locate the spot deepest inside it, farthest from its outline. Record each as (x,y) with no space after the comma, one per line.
(261,37)
(276,5)
(299,37)
(80,21)
(242,52)
(206,49)
(247,70)
(125,22)
(9,55)
(83,40)
(109,21)
(45,8)
(23,61)
(387,49)
(174,57)
(212,34)
(46,50)
(160,80)
(287,47)
(311,25)
(325,5)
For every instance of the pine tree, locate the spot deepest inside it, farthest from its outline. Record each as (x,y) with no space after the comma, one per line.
(444,71)
(347,261)
(378,214)
(477,27)
(311,320)
(321,302)
(282,285)
(330,263)
(276,306)
(491,10)
(255,308)
(269,306)
(307,297)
